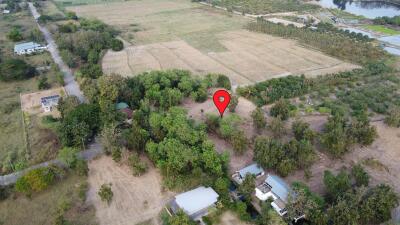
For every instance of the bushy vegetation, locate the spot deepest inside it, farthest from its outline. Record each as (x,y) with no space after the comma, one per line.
(283,157)
(329,41)
(105,193)
(340,134)
(228,129)
(395,20)
(15,69)
(263,7)
(37,180)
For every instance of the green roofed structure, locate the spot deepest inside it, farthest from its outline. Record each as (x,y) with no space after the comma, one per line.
(121,105)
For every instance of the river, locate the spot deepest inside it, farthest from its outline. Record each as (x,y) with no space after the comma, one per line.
(368,9)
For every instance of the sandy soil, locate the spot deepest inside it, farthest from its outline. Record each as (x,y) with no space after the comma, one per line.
(228,218)
(136,199)
(31,102)
(249,58)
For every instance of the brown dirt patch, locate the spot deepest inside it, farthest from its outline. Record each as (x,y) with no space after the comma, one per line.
(31,102)
(136,199)
(228,218)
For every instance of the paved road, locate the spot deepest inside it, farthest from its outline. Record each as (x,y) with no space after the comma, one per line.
(93,150)
(71,86)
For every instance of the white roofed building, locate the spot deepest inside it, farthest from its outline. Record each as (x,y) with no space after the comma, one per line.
(49,102)
(195,203)
(28,48)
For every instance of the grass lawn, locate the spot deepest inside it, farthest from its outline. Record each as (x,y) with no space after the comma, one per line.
(43,207)
(381,29)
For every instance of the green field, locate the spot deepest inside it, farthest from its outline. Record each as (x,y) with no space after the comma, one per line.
(381,29)
(43,207)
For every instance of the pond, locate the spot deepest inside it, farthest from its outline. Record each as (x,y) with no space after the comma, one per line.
(370,9)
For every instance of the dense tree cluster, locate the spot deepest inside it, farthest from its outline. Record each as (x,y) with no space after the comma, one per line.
(228,129)
(79,125)
(15,69)
(272,90)
(179,147)
(283,157)
(395,20)
(332,43)
(340,134)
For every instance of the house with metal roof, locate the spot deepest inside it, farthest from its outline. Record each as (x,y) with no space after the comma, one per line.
(28,48)
(195,203)
(49,102)
(253,169)
(276,189)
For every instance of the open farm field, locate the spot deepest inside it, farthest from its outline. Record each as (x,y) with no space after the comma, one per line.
(249,58)
(135,200)
(185,35)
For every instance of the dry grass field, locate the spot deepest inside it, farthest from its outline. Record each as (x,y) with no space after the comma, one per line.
(180,34)
(135,200)
(249,58)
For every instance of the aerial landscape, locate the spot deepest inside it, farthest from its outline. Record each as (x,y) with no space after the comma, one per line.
(184,112)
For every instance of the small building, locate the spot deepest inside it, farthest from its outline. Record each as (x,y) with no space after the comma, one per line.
(6,11)
(28,48)
(49,102)
(253,169)
(276,189)
(121,105)
(195,203)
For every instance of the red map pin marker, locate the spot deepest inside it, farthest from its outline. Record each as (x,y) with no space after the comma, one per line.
(221,100)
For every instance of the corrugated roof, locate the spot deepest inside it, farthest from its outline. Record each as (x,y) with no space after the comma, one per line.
(279,186)
(50,100)
(253,169)
(25,46)
(197,199)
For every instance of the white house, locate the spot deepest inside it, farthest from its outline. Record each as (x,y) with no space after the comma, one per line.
(276,189)
(28,48)
(49,102)
(195,203)
(253,169)
(6,11)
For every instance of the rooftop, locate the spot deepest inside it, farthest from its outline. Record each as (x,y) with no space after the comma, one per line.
(50,100)
(121,105)
(25,46)
(253,169)
(197,199)
(279,186)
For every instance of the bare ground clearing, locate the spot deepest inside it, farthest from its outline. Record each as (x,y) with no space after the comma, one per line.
(31,102)
(135,200)
(249,58)
(228,218)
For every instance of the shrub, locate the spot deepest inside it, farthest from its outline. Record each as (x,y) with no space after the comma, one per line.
(239,142)
(106,193)
(258,118)
(393,117)
(81,167)
(15,35)
(361,177)
(233,103)
(138,167)
(223,82)
(281,109)
(35,180)
(42,83)
(117,45)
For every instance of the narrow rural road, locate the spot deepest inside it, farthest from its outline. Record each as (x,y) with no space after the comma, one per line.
(71,86)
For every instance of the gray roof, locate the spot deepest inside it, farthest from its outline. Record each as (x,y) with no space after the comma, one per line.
(197,199)
(25,46)
(253,169)
(279,186)
(50,100)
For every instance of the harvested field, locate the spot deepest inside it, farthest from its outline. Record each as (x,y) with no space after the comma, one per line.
(228,218)
(185,35)
(135,200)
(249,58)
